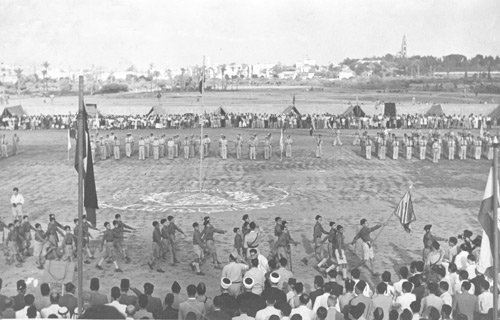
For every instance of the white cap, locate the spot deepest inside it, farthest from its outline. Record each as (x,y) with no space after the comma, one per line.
(274,277)
(248,283)
(225,283)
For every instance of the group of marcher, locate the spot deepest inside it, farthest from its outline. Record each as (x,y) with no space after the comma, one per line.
(445,284)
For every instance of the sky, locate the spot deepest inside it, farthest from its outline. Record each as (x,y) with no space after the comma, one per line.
(172,34)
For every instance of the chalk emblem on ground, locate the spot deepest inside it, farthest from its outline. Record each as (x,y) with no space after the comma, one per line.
(184,201)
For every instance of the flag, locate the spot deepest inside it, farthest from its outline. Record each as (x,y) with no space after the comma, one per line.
(201,83)
(485,218)
(404,211)
(90,193)
(282,142)
(69,140)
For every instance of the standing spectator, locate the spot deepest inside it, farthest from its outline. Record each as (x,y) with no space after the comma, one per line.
(44,300)
(69,300)
(17,202)
(193,305)
(54,307)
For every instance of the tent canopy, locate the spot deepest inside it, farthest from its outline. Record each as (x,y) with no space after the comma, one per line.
(435,110)
(291,109)
(354,110)
(91,109)
(495,114)
(390,109)
(13,111)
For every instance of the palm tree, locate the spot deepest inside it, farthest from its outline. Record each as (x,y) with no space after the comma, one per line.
(156,73)
(18,72)
(169,73)
(45,65)
(222,68)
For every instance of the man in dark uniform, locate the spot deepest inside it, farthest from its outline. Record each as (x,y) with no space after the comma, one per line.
(120,229)
(318,244)
(171,229)
(108,239)
(364,234)
(157,247)
(428,239)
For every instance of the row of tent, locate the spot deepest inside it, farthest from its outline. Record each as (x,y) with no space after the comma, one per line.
(353,110)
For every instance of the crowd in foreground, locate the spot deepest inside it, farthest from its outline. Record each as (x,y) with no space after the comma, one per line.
(434,294)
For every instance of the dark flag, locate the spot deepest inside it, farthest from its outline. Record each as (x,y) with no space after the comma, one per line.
(90,193)
(404,211)
(485,218)
(201,84)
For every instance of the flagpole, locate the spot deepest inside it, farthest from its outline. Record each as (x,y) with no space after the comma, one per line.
(202,123)
(495,228)
(80,141)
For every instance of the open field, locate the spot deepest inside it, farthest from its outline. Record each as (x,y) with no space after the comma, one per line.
(275,100)
(341,186)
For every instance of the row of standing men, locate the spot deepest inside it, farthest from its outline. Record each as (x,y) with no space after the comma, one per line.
(111,146)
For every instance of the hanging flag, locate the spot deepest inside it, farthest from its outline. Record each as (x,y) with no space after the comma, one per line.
(69,141)
(90,193)
(282,142)
(201,83)
(404,211)
(485,218)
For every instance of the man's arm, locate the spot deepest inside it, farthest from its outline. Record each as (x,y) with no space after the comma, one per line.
(356,237)
(126,226)
(136,291)
(178,229)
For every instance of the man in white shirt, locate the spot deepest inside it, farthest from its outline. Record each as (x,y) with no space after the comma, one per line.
(303,310)
(263,263)
(445,294)
(485,298)
(257,275)
(234,272)
(461,257)
(403,301)
(285,274)
(265,313)
(29,300)
(54,307)
(115,296)
(403,275)
(17,202)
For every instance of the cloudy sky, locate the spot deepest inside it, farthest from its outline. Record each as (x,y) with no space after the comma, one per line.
(117,33)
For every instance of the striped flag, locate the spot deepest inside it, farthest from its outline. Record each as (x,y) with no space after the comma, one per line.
(404,211)
(90,193)
(485,218)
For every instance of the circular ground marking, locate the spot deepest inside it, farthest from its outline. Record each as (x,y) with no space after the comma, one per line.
(183,201)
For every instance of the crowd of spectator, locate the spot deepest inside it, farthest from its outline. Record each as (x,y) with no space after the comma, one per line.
(252,120)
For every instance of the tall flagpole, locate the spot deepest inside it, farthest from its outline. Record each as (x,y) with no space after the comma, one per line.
(80,146)
(202,123)
(495,228)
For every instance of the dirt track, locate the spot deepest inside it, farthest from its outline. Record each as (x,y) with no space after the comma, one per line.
(341,186)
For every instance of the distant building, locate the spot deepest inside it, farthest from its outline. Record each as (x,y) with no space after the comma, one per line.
(346,73)
(305,66)
(263,70)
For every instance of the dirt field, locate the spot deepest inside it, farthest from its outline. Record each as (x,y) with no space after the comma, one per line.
(341,186)
(275,100)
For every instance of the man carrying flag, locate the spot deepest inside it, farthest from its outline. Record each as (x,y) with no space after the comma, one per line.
(364,234)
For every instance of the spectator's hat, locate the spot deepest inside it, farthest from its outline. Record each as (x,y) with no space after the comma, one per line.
(274,277)
(248,283)
(225,283)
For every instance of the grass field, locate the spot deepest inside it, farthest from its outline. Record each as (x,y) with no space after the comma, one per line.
(341,186)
